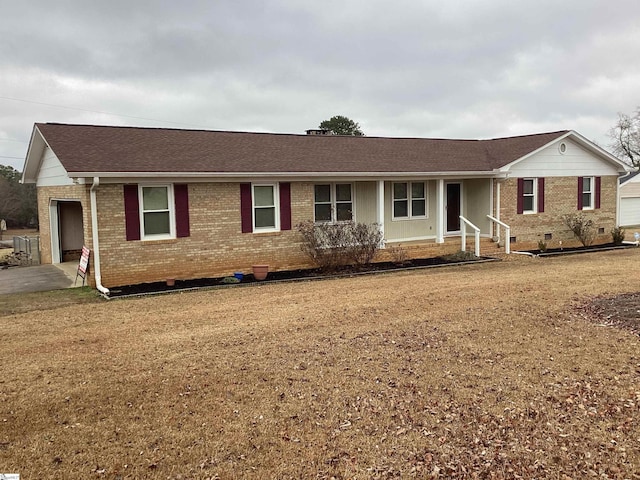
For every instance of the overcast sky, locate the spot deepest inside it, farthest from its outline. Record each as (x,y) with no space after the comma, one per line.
(452,69)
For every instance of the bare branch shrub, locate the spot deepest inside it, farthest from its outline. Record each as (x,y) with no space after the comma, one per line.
(332,245)
(584,229)
(398,254)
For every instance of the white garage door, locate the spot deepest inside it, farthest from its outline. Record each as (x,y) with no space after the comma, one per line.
(629,211)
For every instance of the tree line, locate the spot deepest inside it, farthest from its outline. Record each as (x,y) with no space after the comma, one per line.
(18,202)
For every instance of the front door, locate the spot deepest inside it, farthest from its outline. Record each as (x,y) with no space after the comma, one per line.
(453,207)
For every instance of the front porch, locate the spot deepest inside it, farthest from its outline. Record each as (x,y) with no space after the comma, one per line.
(428,217)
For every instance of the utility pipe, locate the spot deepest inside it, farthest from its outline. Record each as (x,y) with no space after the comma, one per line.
(94,230)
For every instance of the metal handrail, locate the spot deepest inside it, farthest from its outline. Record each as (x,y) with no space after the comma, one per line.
(463,229)
(507,232)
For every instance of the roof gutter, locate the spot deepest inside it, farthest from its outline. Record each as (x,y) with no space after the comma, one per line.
(96,243)
(236,175)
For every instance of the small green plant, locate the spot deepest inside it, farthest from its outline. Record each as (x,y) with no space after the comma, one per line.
(582,227)
(542,245)
(617,235)
(459,256)
(229,280)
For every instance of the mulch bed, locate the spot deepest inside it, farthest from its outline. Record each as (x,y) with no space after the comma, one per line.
(571,250)
(622,311)
(292,275)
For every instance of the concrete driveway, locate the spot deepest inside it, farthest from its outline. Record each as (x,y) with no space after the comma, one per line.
(38,278)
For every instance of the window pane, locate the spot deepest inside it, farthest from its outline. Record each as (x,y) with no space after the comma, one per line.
(527,187)
(155,198)
(417,190)
(343,192)
(263,196)
(586,200)
(323,193)
(586,184)
(323,212)
(418,208)
(400,208)
(156,223)
(399,190)
(265,217)
(527,203)
(343,211)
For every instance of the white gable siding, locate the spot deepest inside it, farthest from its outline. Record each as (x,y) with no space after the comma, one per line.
(52,173)
(630,189)
(575,162)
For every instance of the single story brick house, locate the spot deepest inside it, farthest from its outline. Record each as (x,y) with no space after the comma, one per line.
(154,203)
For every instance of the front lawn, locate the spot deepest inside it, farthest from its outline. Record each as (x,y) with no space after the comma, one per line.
(481,371)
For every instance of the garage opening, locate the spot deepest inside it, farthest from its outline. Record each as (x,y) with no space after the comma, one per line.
(67,231)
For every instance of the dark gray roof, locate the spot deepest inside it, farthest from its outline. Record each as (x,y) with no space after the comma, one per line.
(90,148)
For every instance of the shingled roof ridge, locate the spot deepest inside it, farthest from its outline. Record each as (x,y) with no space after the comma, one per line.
(203,130)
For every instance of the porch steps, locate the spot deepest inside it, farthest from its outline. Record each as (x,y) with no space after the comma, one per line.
(394,250)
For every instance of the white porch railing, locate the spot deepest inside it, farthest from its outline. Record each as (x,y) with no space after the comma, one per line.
(507,233)
(463,231)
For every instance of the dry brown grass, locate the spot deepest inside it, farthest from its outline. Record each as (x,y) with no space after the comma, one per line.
(481,371)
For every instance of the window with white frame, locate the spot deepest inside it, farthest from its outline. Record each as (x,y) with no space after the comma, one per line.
(265,208)
(409,200)
(529,195)
(333,202)
(587,193)
(156,211)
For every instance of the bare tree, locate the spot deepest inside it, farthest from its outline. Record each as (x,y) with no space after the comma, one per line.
(626,137)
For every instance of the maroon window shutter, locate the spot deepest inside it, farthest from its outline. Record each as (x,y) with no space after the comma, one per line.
(181,194)
(598,189)
(541,195)
(520,195)
(132,212)
(580,193)
(245,208)
(285,206)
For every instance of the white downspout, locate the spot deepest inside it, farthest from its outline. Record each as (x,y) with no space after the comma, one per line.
(380,209)
(96,243)
(498,210)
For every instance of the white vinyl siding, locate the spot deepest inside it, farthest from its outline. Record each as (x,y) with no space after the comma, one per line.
(575,162)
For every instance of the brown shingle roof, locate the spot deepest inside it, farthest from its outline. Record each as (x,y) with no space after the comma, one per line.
(89,148)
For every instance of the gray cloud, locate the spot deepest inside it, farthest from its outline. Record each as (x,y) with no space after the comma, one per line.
(471,69)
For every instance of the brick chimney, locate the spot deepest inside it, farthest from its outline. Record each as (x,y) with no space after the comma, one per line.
(318,131)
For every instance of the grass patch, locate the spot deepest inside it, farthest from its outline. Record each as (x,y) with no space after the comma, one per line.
(16,303)
(482,371)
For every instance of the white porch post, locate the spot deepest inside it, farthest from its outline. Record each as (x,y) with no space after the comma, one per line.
(440,213)
(497,225)
(380,209)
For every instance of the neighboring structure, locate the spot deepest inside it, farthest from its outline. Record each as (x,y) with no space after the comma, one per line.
(630,200)
(189,204)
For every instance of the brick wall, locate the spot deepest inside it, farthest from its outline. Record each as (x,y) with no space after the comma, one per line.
(215,247)
(560,198)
